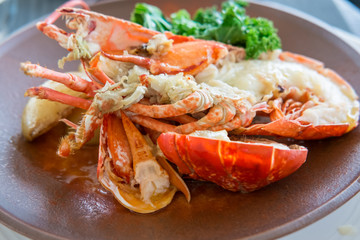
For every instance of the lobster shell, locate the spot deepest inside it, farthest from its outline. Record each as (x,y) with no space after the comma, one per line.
(234,165)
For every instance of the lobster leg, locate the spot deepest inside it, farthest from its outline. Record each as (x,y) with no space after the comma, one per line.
(243,117)
(84,132)
(239,120)
(152,123)
(183,119)
(53,95)
(96,72)
(154,66)
(189,104)
(72,81)
(218,114)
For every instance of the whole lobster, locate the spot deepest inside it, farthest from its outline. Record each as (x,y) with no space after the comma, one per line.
(187,94)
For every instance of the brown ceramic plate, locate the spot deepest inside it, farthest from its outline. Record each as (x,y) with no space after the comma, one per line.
(46,197)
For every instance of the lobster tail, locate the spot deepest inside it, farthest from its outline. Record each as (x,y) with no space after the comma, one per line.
(234,165)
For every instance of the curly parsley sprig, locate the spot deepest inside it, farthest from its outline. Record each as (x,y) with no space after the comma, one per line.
(229,25)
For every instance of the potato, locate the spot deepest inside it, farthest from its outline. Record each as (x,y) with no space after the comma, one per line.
(41,115)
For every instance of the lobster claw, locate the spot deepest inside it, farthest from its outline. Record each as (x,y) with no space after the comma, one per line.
(148,186)
(236,166)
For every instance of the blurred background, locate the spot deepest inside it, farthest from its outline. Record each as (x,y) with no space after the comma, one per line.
(343,14)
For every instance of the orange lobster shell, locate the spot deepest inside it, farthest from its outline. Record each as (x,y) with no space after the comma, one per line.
(234,165)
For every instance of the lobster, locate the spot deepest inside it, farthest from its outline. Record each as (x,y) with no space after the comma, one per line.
(187,94)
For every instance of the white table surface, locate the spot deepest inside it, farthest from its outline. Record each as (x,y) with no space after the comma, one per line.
(342,224)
